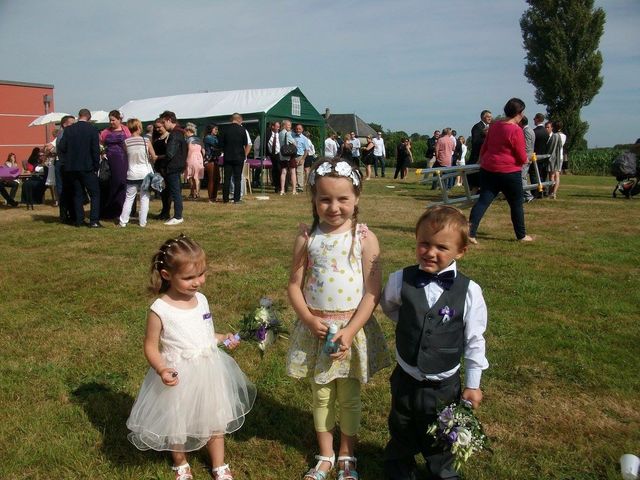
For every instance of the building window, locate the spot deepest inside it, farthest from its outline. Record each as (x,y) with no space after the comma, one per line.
(295,106)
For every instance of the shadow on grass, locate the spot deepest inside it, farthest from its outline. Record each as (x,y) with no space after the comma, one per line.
(46,218)
(293,426)
(285,424)
(108,411)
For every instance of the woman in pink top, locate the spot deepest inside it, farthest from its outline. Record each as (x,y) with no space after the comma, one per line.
(501,158)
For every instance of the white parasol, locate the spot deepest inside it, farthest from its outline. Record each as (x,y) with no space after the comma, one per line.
(99,116)
(48,118)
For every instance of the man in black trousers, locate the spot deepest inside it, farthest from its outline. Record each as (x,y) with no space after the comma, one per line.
(478,134)
(272,150)
(235,146)
(80,148)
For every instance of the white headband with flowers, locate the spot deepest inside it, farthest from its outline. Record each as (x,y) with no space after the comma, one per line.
(342,168)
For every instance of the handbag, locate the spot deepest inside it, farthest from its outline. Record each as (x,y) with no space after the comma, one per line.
(104,170)
(152,180)
(288,149)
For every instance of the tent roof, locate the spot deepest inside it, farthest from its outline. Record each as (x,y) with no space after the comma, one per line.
(208,104)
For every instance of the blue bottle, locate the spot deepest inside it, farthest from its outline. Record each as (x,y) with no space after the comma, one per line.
(329,345)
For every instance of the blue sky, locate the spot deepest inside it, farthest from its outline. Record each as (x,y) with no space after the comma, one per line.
(410,65)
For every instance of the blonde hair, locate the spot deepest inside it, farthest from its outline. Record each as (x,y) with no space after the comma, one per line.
(172,256)
(443,216)
(191,127)
(134,125)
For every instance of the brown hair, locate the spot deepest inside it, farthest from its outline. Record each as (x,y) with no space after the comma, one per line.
(442,216)
(174,254)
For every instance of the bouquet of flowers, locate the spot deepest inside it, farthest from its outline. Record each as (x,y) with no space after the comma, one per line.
(459,430)
(262,325)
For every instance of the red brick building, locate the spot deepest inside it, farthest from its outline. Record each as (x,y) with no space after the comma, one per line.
(20,104)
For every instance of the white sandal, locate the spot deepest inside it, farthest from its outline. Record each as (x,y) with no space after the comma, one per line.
(347,472)
(183,472)
(222,473)
(315,473)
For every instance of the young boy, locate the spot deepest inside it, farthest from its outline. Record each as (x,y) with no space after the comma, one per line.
(440,316)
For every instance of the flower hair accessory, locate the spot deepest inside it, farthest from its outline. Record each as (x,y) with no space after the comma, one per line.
(343,169)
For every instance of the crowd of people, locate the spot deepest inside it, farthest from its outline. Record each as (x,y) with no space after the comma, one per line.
(109,169)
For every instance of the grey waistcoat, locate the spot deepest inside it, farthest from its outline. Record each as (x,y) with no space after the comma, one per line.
(423,339)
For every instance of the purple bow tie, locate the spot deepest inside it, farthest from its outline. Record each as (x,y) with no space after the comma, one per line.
(444,279)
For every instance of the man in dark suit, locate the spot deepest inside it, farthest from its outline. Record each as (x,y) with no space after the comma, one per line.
(81,151)
(235,145)
(272,149)
(478,134)
(540,148)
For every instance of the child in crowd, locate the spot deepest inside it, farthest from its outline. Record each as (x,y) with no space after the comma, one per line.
(335,281)
(193,393)
(440,316)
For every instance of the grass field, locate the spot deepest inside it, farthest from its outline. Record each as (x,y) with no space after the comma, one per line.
(561,394)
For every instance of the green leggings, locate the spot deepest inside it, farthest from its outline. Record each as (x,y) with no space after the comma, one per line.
(346,391)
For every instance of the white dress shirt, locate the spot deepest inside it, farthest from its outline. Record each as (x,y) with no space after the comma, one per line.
(475,324)
(330,148)
(378,147)
(355,147)
(272,150)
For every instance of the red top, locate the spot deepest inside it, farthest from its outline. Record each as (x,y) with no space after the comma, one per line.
(503,150)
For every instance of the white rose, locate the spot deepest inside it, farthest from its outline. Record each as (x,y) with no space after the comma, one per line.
(262,314)
(343,169)
(324,169)
(464,437)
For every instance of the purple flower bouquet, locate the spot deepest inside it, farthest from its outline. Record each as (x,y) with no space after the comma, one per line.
(262,325)
(459,430)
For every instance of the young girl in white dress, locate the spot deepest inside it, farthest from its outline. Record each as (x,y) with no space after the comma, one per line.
(194,393)
(335,279)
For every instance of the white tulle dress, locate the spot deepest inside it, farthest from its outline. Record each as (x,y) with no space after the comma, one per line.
(212,397)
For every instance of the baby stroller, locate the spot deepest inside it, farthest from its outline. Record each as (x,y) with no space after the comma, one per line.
(625,169)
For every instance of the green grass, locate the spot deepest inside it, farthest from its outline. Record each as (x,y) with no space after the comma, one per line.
(561,394)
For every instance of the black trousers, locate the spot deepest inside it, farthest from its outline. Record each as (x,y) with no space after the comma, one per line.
(275,172)
(79,181)
(415,406)
(233,172)
(492,183)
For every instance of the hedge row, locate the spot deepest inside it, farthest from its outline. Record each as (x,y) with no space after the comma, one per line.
(595,161)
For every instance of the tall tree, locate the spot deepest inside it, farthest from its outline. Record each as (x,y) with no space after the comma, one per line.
(561,38)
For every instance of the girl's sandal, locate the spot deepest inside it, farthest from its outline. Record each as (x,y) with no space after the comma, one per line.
(346,471)
(222,473)
(183,472)
(315,473)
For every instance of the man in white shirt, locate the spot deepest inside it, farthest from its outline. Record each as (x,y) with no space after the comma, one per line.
(331,146)
(379,154)
(272,150)
(355,149)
